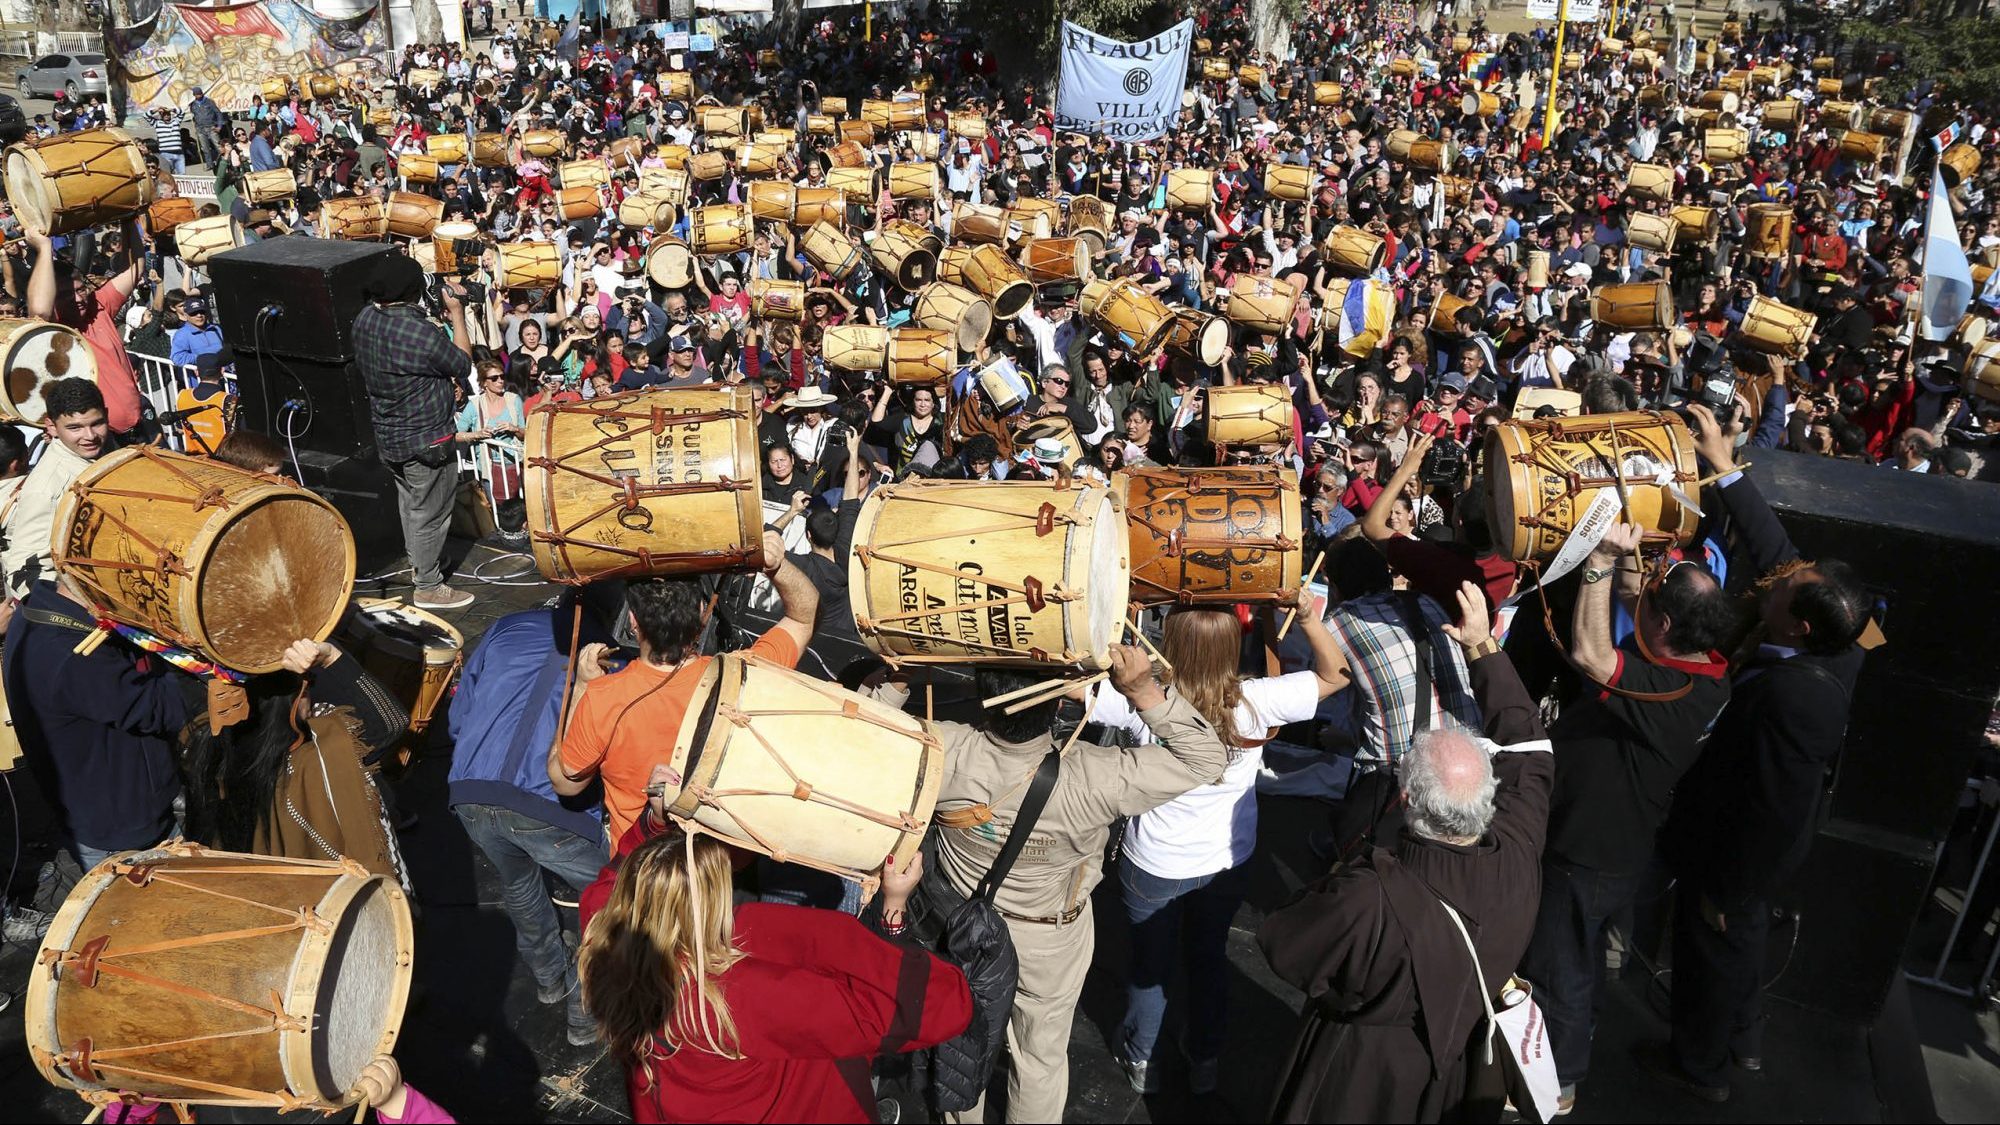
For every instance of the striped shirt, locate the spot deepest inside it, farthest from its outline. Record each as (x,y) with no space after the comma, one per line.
(167,133)
(1373,633)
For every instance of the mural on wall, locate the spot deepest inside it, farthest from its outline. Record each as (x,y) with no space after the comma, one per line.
(231,51)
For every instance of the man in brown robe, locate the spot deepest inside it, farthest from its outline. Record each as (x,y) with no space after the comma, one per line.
(1391,1000)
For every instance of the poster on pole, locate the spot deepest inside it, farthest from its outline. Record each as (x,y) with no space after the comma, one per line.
(1580,11)
(1124,91)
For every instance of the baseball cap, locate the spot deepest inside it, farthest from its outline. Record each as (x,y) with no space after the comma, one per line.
(680,343)
(1454,381)
(208,366)
(195,306)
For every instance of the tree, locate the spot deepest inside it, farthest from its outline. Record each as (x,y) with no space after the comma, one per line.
(1962,54)
(1022,34)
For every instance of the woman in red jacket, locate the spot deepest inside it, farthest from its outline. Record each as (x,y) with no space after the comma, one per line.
(758,1012)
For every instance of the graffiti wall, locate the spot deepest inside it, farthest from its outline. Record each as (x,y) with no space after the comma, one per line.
(231,51)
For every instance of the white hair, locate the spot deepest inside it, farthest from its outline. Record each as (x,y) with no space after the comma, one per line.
(1442,806)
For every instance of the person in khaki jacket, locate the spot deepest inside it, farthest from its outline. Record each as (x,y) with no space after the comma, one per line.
(1046,897)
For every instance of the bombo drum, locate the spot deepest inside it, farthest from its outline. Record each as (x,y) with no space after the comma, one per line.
(198,240)
(33,354)
(413,214)
(1548,478)
(358,217)
(720,228)
(75,181)
(1136,318)
(1775,328)
(660,482)
(231,564)
(187,975)
(1199,336)
(990,572)
(803,770)
(1250,414)
(530,265)
(1636,307)
(414,654)
(957,310)
(989,272)
(1213,535)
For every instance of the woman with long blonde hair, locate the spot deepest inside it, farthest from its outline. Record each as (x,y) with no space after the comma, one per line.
(759,1012)
(1181,867)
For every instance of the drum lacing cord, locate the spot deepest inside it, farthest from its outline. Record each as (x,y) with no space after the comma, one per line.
(1549,624)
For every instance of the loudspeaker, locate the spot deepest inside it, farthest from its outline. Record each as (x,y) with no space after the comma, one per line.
(305,404)
(294,297)
(1925,545)
(362,489)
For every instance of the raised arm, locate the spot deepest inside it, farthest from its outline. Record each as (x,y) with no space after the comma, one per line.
(795,590)
(1591,644)
(1375,525)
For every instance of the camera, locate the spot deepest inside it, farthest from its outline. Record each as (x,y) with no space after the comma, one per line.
(1707,377)
(1444,463)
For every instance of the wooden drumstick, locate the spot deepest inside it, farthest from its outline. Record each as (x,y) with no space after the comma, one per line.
(1032,689)
(1293,613)
(361,1110)
(1056,692)
(1147,643)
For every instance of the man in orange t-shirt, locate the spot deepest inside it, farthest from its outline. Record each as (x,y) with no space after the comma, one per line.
(622,724)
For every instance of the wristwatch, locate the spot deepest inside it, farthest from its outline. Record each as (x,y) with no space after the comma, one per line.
(1487,647)
(1593,574)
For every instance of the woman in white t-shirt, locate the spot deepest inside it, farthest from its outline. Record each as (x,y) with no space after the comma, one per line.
(1182,864)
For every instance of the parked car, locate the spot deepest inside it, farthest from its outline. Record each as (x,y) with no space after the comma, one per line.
(77,75)
(13,122)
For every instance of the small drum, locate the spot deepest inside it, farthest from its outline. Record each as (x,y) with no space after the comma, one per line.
(1128,313)
(1250,414)
(530,265)
(584,201)
(1699,226)
(1784,113)
(722,121)
(416,168)
(901,254)
(1650,183)
(166,214)
(1652,232)
(830,250)
(626,151)
(1213,535)
(1982,371)
(543,143)
(856,347)
(1725,146)
(771,299)
(989,272)
(1545,478)
(1892,122)
(1052,260)
(672,156)
(1868,149)
(1327,93)
(446,148)
(757,160)
(414,654)
(456,246)
(1774,328)
(412,214)
(1262,304)
(772,200)
(188,975)
(643,209)
(971,126)
(925,356)
(231,564)
(1479,103)
(1290,182)
(75,181)
(202,239)
(1640,306)
(913,181)
(1199,336)
(1538,269)
(720,228)
(1770,230)
(1719,100)
(356,217)
(35,353)
(670,263)
(804,770)
(1089,219)
(708,166)
(1190,189)
(959,311)
(268,187)
(661,482)
(990,572)
(670,184)
(1959,163)
(584,173)
(1844,116)
(818,205)
(489,150)
(1354,252)
(856,185)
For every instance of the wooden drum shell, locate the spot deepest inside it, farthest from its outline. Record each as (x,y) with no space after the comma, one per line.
(1202,536)
(1543,477)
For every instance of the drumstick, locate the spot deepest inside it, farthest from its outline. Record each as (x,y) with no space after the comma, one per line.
(1293,613)
(1159,656)
(361,1110)
(96,1112)
(1059,690)
(1032,689)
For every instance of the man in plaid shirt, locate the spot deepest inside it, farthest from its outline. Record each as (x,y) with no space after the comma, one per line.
(409,366)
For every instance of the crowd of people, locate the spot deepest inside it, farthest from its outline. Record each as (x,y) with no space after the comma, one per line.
(1499,798)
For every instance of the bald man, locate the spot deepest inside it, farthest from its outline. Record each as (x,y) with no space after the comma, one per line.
(1376,936)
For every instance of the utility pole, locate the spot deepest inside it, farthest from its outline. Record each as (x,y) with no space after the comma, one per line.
(1555,77)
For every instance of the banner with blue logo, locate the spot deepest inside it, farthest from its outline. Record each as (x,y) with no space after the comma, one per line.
(1124,91)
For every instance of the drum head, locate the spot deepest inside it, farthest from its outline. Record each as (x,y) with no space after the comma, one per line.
(255,598)
(1211,341)
(37,355)
(1110,576)
(362,987)
(24,191)
(1501,519)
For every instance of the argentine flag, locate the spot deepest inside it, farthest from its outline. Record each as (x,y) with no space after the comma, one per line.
(1947,275)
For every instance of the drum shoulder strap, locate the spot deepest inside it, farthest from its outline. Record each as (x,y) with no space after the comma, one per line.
(57,620)
(1030,811)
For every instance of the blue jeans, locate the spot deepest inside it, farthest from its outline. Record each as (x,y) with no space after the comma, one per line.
(1191,916)
(522,848)
(173,162)
(1565,958)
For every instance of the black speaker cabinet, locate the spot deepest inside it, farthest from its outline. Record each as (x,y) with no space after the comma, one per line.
(1926,546)
(293,297)
(305,404)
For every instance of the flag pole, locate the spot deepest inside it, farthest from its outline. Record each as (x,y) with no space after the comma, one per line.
(1555,77)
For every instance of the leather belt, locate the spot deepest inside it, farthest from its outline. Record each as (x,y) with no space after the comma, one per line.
(1063,919)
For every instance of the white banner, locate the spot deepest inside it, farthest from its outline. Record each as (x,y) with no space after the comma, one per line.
(1124,91)
(763,6)
(1580,11)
